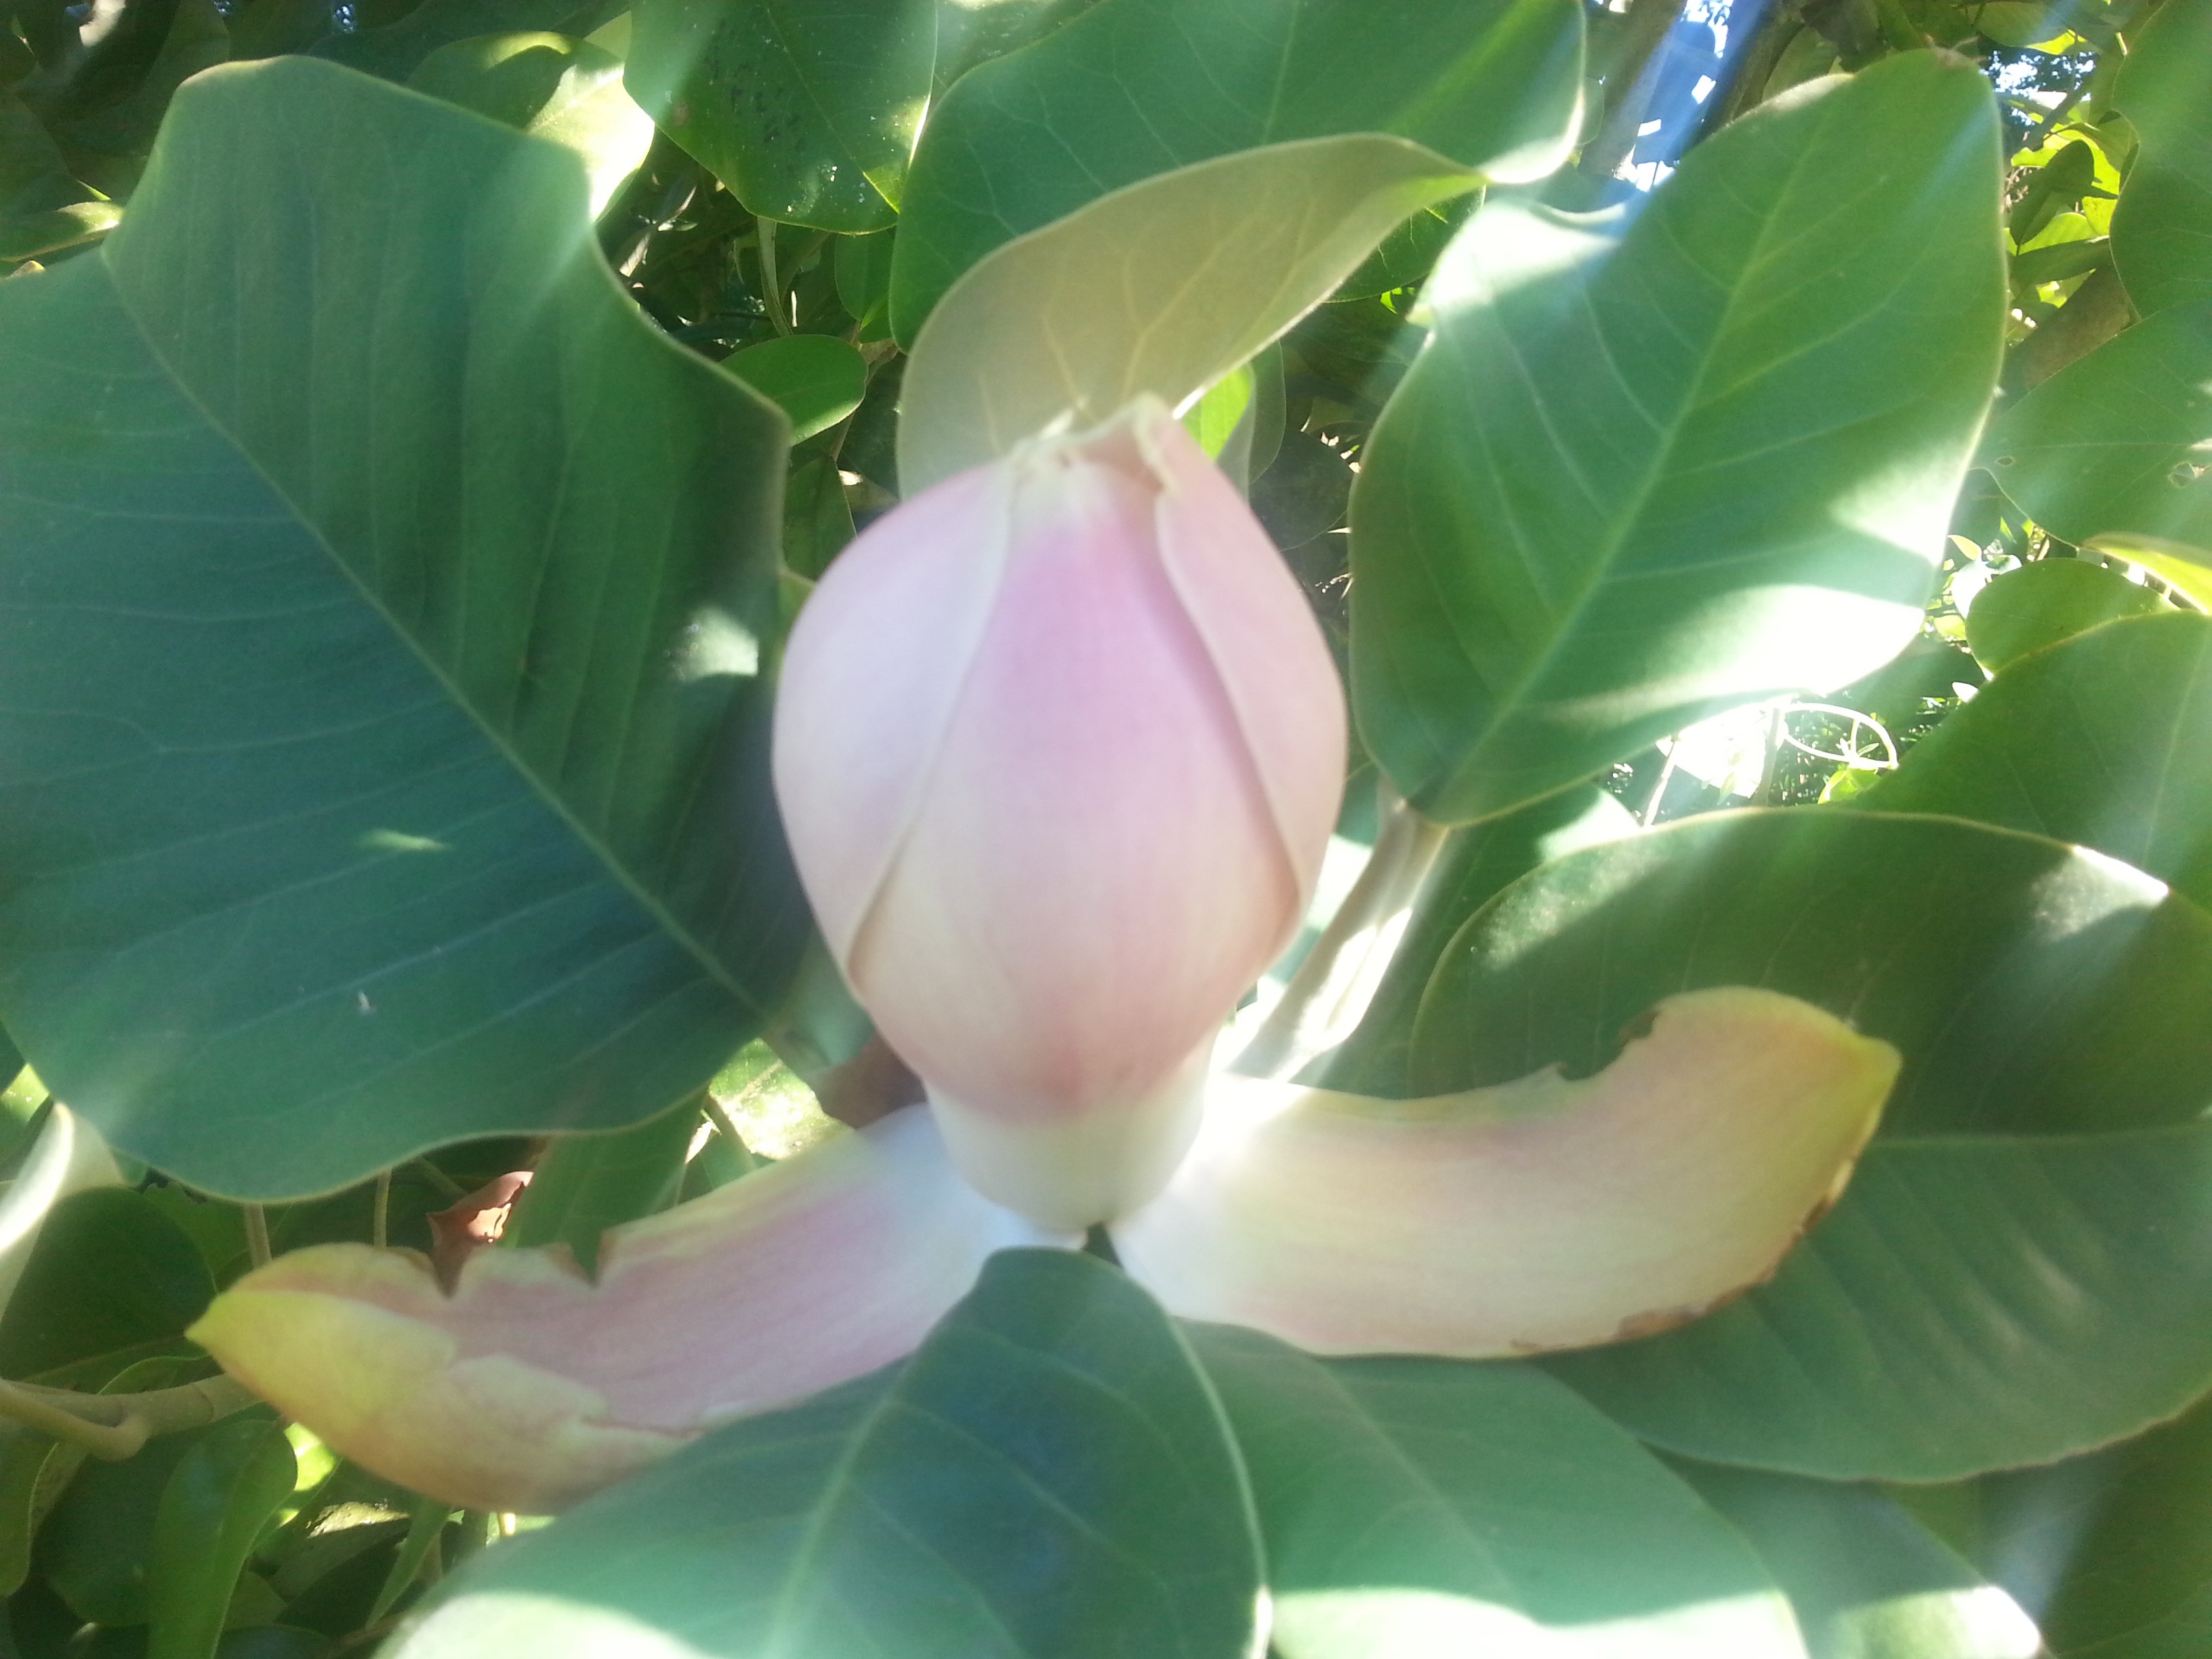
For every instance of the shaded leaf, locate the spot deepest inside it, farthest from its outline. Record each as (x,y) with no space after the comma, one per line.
(586,1184)
(1136,87)
(1049,1476)
(2031,987)
(815,380)
(807,112)
(2115,440)
(2041,604)
(567,90)
(212,1508)
(1418,1508)
(2162,228)
(1973,1302)
(1629,486)
(1164,286)
(407,715)
(2105,740)
(110,1277)
(1865,1580)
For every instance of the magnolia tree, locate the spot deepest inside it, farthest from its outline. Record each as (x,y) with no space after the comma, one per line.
(1476,923)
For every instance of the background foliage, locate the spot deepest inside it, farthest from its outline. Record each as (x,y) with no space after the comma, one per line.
(390,590)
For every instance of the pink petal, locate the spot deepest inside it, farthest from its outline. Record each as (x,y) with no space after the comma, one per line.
(531,1387)
(1534,1215)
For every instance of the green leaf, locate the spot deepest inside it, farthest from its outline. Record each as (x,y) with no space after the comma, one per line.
(2162,228)
(861,267)
(36,1470)
(1972,1303)
(216,1503)
(1050,1475)
(569,91)
(2105,740)
(2112,1551)
(110,1277)
(1164,286)
(1629,486)
(1136,87)
(97,1548)
(441,663)
(2031,987)
(395,49)
(1477,864)
(817,521)
(586,1184)
(815,380)
(2115,440)
(2043,603)
(807,112)
(1865,1580)
(1413,1509)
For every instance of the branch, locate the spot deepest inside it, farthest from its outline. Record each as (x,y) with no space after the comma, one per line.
(114,1426)
(1333,985)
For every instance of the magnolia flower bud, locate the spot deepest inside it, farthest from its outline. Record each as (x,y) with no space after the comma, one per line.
(1059,748)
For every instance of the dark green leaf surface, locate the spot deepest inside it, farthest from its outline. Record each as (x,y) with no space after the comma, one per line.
(110,1277)
(816,380)
(1865,1580)
(405,715)
(216,1501)
(1135,87)
(1972,1303)
(1629,486)
(586,1184)
(2031,987)
(1479,861)
(2045,602)
(97,1549)
(2115,442)
(1414,1508)
(2162,228)
(807,112)
(1048,1477)
(394,50)
(2112,1551)
(2105,741)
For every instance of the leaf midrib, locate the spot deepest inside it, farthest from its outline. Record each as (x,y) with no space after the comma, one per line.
(616,870)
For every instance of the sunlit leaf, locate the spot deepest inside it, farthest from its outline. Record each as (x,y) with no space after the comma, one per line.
(1416,1509)
(2162,228)
(1630,485)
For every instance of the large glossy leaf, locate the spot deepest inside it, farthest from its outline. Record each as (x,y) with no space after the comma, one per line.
(1047,1477)
(2112,1551)
(2105,740)
(383,758)
(807,112)
(1135,87)
(1631,484)
(1414,1508)
(1164,287)
(2115,442)
(215,1505)
(1973,1302)
(112,1279)
(1865,1579)
(2162,226)
(2031,987)
(2049,600)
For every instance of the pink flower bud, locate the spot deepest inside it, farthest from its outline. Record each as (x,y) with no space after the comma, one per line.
(1059,749)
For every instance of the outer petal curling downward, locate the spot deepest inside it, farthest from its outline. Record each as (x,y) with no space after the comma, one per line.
(1540,1214)
(530,1388)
